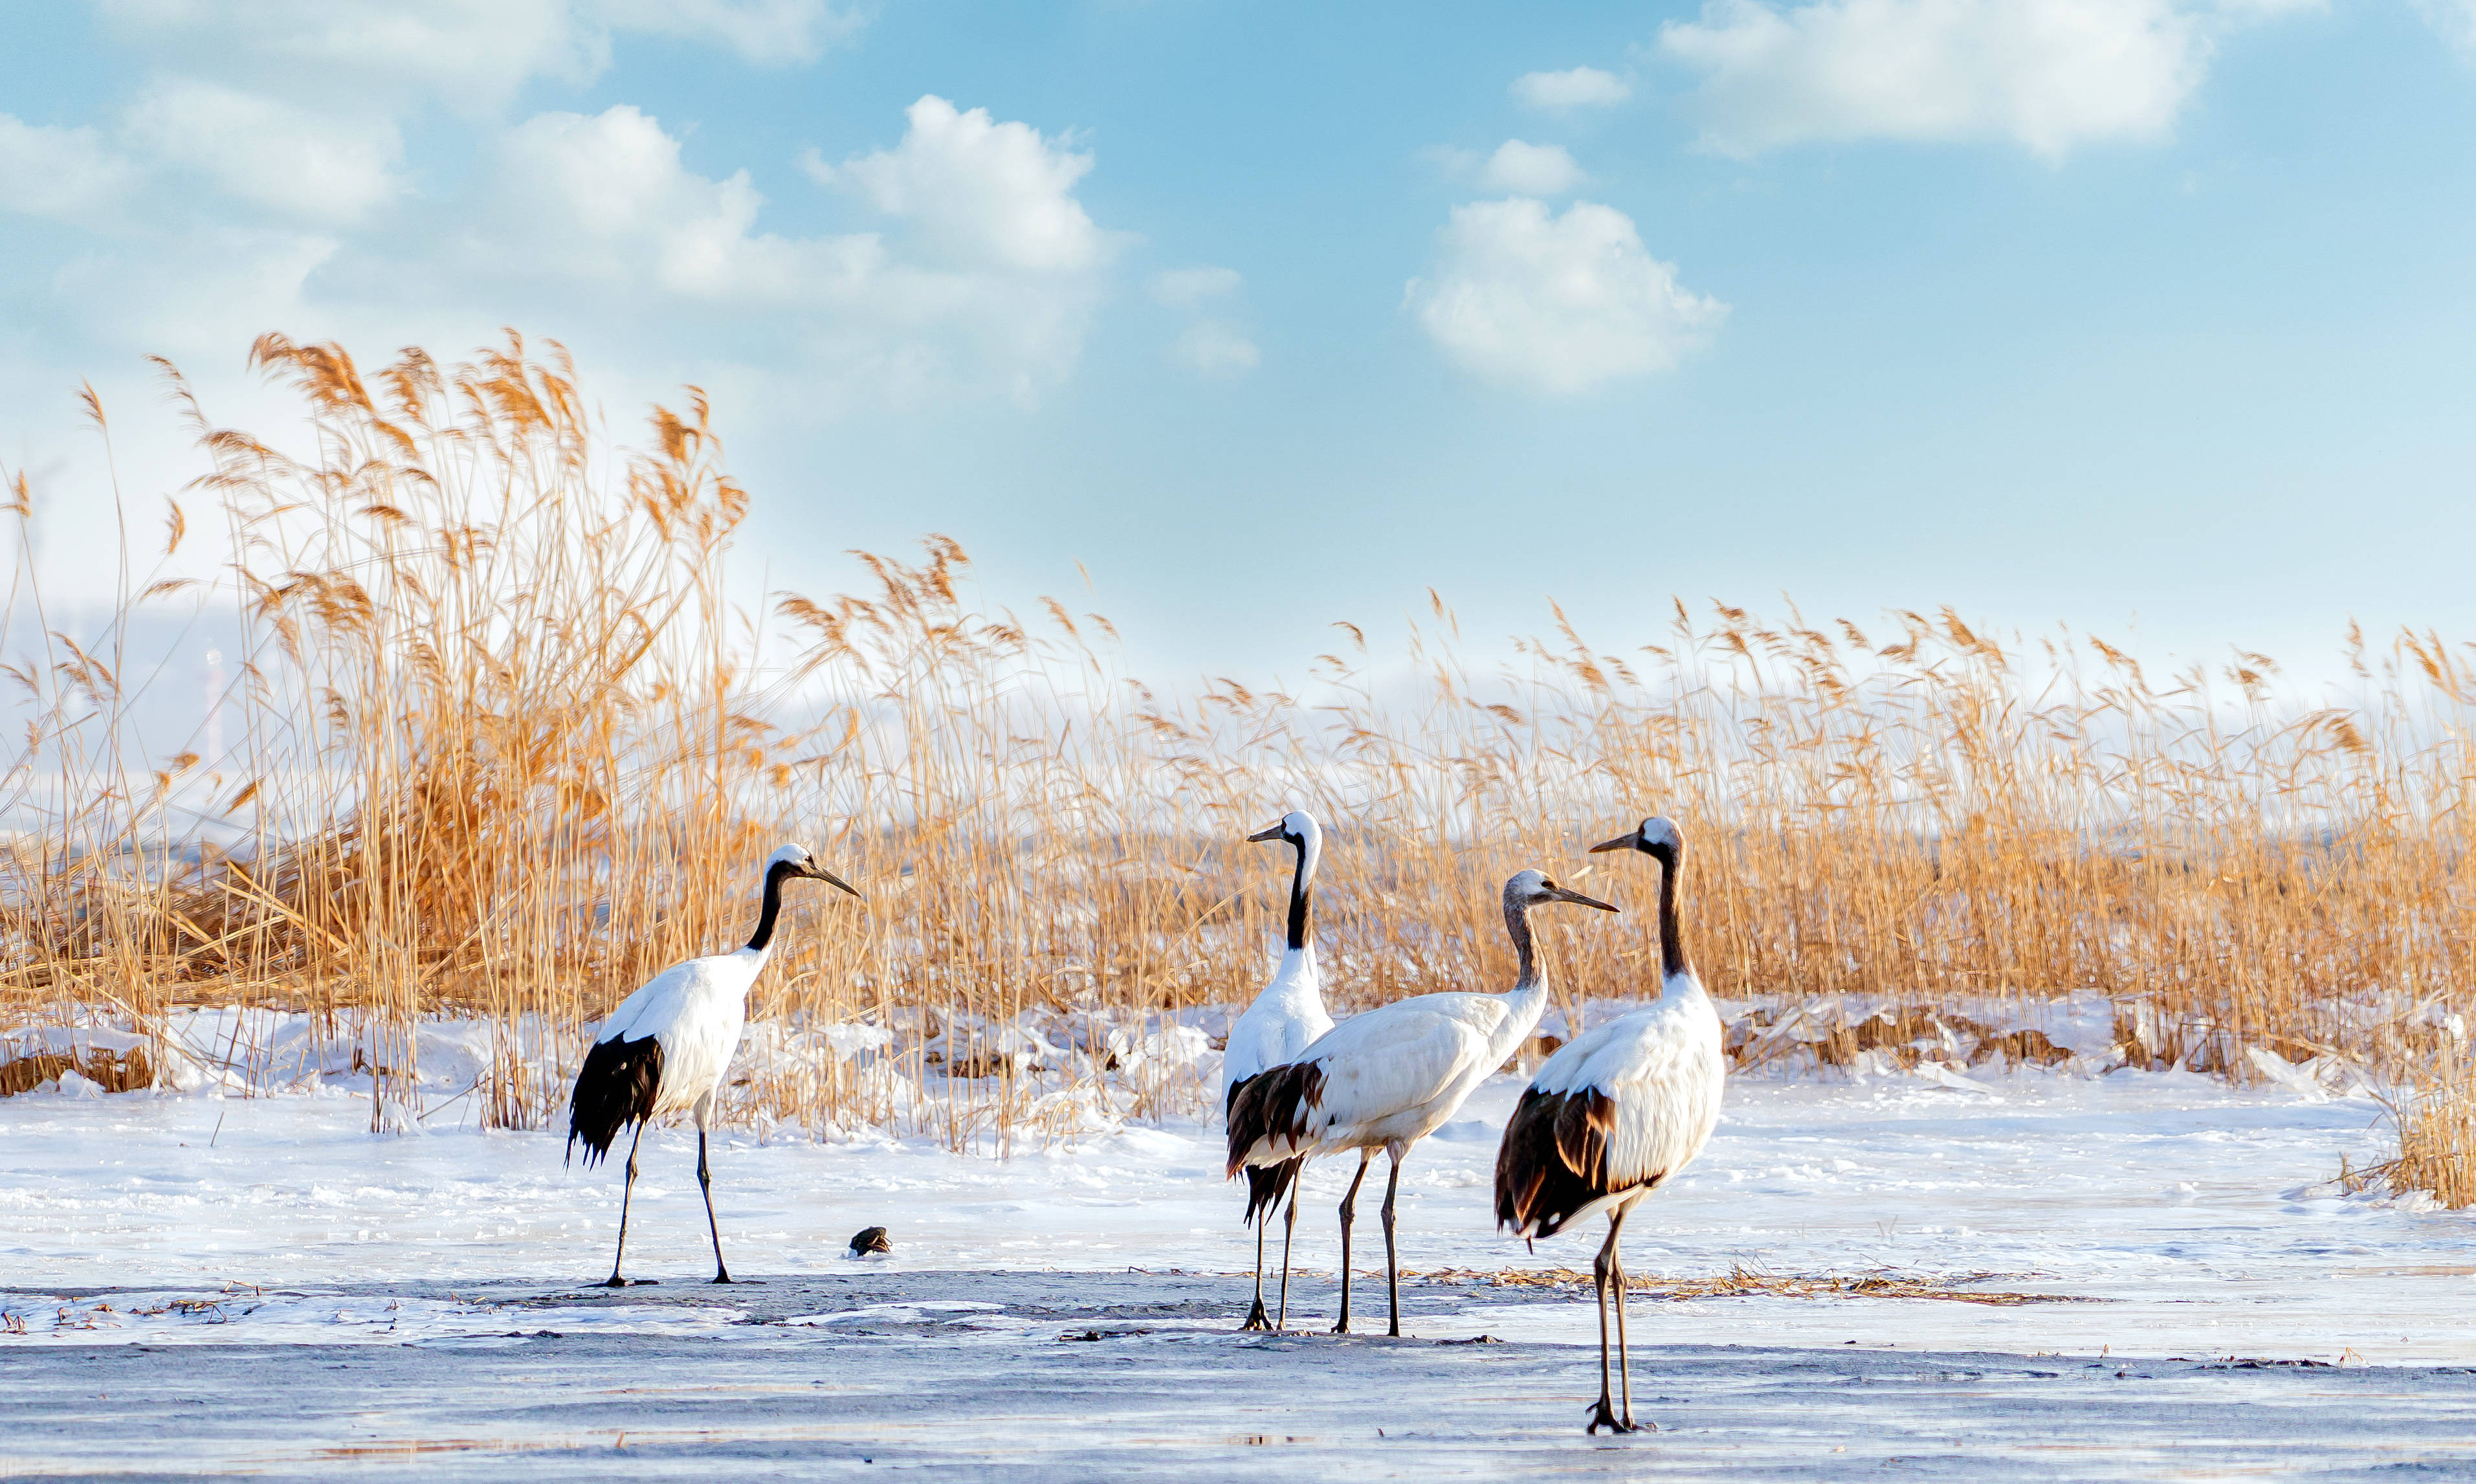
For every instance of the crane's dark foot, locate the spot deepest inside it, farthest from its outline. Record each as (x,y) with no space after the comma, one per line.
(1341,1329)
(1256,1318)
(614,1281)
(1604,1416)
(725,1278)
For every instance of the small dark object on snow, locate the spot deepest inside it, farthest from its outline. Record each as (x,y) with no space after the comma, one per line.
(871,1238)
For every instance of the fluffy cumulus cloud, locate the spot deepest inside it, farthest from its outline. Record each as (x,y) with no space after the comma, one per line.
(2047,74)
(1531,169)
(607,199)
(1561,303)
(987,269)
(1576,87)
(976,271)
(980,191)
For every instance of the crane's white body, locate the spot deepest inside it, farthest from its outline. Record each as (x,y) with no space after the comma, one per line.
(1661,1068)
(696,1010)
(1283,1020)
(1398,1072)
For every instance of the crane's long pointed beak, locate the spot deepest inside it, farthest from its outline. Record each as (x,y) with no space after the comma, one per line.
(831,879)
(1272,833)
(1580,901)
(1624,842)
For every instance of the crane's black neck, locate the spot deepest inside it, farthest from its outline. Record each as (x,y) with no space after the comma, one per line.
(775,876)
(1672,937)
(1301,887)
(1517,922)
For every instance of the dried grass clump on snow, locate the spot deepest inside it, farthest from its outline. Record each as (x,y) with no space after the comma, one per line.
(499,744)
(2437,1137)
(1744,1282)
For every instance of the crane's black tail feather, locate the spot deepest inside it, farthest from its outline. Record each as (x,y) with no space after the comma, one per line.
(615,1087)
(1553,1161)
(1265,1184)
(1280,1101)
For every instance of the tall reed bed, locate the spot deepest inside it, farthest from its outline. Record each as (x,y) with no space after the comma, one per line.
(501,745)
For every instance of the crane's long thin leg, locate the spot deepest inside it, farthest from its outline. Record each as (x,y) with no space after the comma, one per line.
(1624,1358)
(1392,1255)
(627,1193)
(1350,1209)
(1255,1316)
(704,1178)
(1289,1233)
(1602,1268)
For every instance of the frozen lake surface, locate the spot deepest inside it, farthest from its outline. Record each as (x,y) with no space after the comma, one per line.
(192,1283)
(1090,1376)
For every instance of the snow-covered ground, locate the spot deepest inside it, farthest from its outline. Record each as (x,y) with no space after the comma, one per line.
(2185,1216)
(203,1282)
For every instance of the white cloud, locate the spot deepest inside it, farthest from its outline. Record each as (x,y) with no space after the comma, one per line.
(1559,303)
(2048,74)
(994,277)
(371,54)
(69,175)
(608,198)
(981,191)
(983,272)
(1217,348)
(1186,289)
(2453,20)
(764,32)
(1531,169)
(318,167)
(473,54)
(1576,87)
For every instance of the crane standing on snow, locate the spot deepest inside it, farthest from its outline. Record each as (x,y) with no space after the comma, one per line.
(1618,1111)
(1389,1077)
(666,1046)
(1287,1016)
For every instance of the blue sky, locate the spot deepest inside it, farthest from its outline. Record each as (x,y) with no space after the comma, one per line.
(2152,317)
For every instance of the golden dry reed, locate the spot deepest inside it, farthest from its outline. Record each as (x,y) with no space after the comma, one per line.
(500,746)
(2437,1134)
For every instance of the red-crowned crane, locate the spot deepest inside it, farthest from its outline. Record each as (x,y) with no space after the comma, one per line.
(666,1046)
(1389,1077)
(1283,1020)
(1617,1112)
